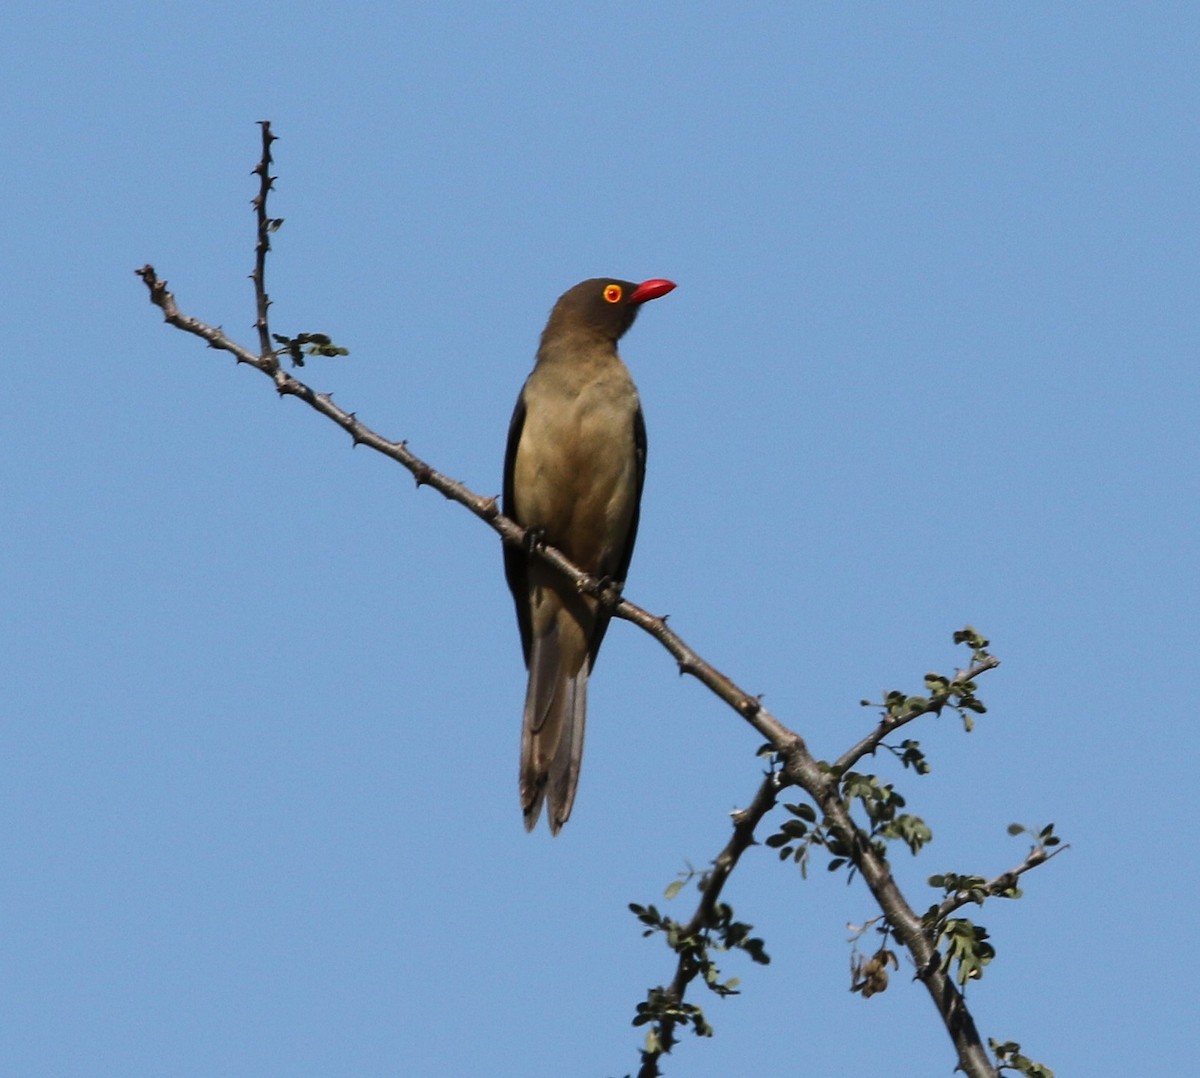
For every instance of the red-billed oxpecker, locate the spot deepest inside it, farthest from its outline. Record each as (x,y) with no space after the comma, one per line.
(572,476)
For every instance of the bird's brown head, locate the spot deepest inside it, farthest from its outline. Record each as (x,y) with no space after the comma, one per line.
(603,307)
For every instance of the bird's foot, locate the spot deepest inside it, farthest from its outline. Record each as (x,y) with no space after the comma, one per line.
(608,589)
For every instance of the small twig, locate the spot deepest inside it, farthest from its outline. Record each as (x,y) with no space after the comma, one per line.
(1039,855)
(265,226)
(891,723)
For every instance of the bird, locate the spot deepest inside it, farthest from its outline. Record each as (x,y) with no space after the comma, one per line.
(573,473)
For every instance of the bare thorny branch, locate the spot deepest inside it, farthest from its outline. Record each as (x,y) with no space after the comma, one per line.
(793,763)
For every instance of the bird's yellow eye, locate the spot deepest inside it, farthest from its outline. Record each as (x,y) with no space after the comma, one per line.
(613,293)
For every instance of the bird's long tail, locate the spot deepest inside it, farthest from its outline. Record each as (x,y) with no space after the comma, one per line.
(555,717)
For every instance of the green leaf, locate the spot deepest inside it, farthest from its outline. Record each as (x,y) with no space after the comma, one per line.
(937,684)
(804,811)
(971,638)
(1008,1055)
(911,830)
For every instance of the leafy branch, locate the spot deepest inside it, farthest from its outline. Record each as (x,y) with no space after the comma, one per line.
(934,942)
(693,942)
(960,890)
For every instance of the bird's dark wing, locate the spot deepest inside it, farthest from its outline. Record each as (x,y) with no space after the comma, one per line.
(516,559)
(639,443)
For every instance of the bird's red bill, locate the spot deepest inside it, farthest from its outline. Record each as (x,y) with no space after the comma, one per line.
(651,289)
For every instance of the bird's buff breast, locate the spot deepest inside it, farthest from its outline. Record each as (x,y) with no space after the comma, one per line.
(575,472)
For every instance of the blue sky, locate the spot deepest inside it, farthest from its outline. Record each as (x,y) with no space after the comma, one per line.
(932,360)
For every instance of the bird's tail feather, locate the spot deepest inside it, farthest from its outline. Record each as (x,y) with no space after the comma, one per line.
(564,771)
(555,717)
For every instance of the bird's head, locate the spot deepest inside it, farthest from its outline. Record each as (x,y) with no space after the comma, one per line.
(603,307)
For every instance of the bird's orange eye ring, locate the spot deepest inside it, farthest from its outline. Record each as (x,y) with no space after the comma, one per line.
(613,293)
